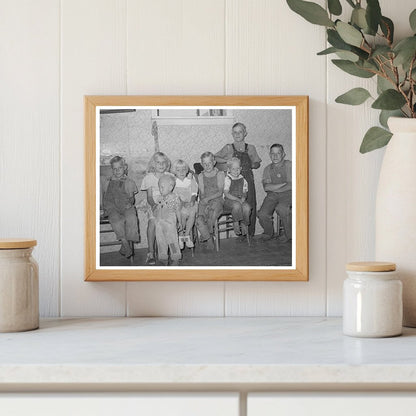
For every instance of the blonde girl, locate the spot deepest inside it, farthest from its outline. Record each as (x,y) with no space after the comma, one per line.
(159,164)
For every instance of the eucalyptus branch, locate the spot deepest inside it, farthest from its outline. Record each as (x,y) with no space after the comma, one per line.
(368,34)
(366,43)
(412,86)
(395,71)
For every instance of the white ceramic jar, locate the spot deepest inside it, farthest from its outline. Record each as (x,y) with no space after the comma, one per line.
(19,286)
(372,300)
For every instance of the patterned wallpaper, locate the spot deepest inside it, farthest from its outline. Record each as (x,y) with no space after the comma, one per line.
(130,135)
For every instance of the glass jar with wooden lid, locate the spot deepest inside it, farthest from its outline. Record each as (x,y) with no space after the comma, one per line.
(372,300)
(19,286)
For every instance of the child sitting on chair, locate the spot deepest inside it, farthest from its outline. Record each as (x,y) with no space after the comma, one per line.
(187,190)
(167,215)
(235,192)
(118,203)
(159,165)
(211,188)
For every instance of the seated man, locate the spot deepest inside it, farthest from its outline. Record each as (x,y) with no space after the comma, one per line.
(277,182)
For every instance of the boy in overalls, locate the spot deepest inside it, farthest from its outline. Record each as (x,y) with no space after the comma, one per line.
(118,203)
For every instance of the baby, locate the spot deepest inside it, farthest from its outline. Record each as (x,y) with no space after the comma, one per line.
(187,190)
(235,192)
(167,215)
(118,203)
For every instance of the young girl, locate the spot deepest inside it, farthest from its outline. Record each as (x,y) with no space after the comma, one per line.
(211,187)
(167,215)
(158,165)
(235,192)
(118,203)
(187,190)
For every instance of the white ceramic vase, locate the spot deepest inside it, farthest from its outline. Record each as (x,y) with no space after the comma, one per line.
(396,210)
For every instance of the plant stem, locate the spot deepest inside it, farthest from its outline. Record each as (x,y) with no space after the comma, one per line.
(412,86)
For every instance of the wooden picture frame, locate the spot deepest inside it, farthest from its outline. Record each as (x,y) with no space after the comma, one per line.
(103,139)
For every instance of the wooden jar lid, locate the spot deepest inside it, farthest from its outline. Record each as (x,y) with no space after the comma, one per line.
(10,243)
(371,266)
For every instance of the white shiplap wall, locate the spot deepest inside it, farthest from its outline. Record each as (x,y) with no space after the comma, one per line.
(55,52)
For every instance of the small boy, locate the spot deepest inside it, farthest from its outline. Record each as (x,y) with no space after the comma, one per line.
(211,187)
(167,215)
(235,192)
(187,190)
(118,203)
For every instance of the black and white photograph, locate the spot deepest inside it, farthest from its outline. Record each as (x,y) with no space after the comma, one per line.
(196,187)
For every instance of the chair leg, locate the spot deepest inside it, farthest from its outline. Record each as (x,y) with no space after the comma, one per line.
(194,236)
(131,243)
(217,236)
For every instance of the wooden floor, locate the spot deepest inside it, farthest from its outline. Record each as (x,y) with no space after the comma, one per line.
(232,253)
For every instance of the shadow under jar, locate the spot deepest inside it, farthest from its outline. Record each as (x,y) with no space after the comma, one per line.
(373,304)
(19,286)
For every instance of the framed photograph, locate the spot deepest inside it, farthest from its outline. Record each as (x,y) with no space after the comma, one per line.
(196,188)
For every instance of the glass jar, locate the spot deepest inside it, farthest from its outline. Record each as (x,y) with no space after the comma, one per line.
(19,286)
(372,300)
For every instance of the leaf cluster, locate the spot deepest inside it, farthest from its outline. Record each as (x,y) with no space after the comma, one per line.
(365,47)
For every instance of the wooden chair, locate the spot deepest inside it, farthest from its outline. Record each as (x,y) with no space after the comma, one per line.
(105,227)
(224,224)
(279,229)
(194,238)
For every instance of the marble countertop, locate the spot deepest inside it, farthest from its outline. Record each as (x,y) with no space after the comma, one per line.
(204,351)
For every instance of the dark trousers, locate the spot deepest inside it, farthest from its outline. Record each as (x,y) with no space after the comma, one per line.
(239,211)
(281,203)
(125,224)
(251,200)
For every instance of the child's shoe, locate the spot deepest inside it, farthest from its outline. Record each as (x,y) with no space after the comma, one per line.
(236,226)
(211,244)
(125,249)
(188,242)
(181,242)
(150,259)
(164,262)
(175,263)
(244,229)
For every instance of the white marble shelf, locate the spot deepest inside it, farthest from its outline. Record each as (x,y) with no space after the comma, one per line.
(203,351)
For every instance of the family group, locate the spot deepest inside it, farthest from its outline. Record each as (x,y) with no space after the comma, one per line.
(179,198)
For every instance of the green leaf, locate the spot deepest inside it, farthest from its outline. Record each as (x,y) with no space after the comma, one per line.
(358,18)
(336,41)
(412,20)
(381,50)
(389,100)
(352,68)
(370,65)
(387,27)
(311,12)
(327,51)
(373,15)
(356,96)
(386,114)
(375,138)
(334,7)
(383,84)
(349,34)
(347,55)
(405,50)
